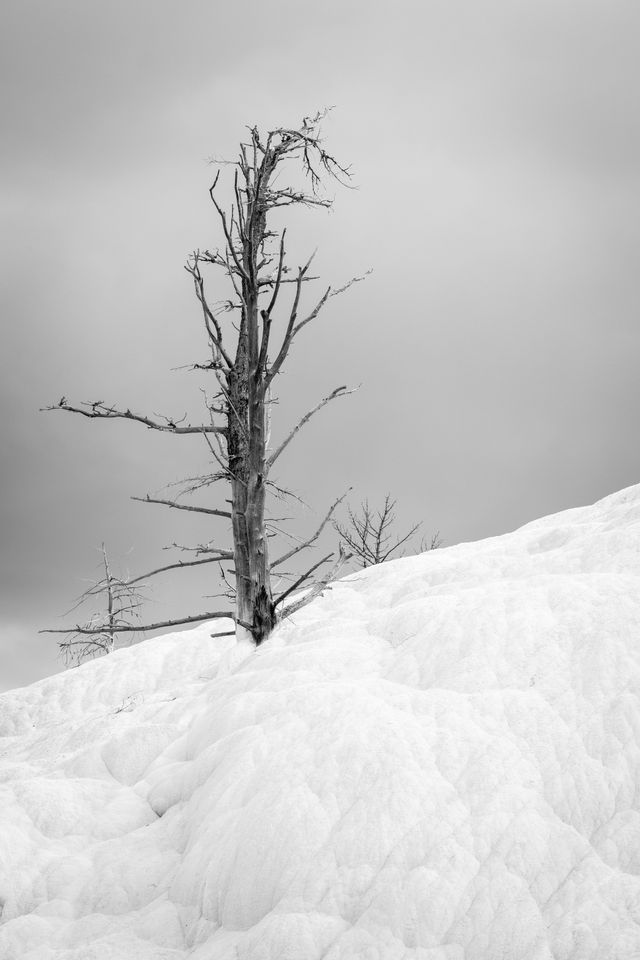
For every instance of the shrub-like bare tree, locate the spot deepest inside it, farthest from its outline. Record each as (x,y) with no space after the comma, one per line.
(263,290)
(97,635)
(368,533)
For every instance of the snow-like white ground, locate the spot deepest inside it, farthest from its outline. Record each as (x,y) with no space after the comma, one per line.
(439,759)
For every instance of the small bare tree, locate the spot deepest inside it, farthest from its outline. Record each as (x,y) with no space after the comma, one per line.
(245,364)
(368,533)
(431,543)
(97,635)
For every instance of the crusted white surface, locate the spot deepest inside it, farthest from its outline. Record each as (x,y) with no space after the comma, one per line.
(438,760)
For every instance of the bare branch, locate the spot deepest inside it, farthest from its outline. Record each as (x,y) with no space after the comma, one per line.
(210,320)
(100,411)
(269,281)
(74,643)
(301,580)
(401,541)
(228,237)
(264,346)
(191,485)
(128,628)
(320,587)
(239,204)
(231,590)
(282,493)
(330,292)
(183,506)
(218,457)
(307,139)
(276,289)
(338,392)
(293,328)
(350,283)
(174,566)
(307,543)
(289,198)
(311,316)
(288,336)
(433,543)
(219,554)
(266,314)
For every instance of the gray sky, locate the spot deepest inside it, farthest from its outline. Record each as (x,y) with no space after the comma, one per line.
(495,145)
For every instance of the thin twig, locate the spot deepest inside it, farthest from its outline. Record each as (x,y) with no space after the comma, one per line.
(307,543)
(338,392)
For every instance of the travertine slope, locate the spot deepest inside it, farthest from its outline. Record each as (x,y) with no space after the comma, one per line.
(438,760)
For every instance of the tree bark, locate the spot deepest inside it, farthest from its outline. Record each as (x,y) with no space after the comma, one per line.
(255,607)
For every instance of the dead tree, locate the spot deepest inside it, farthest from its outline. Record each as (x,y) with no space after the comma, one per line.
(368,533)
(97,635)
(264,293)
(431,543)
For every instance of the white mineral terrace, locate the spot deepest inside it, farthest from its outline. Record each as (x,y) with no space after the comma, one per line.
(437,760)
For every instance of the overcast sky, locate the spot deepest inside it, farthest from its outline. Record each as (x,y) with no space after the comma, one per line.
(495,146)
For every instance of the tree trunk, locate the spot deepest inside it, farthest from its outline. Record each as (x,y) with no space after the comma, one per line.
(246,418)
(264,613)
(238,449)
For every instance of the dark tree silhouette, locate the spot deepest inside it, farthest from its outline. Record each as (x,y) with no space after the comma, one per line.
(246,355)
